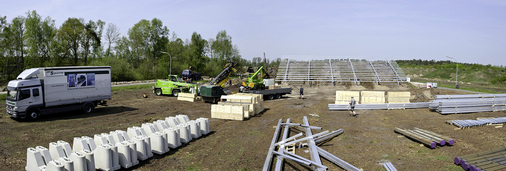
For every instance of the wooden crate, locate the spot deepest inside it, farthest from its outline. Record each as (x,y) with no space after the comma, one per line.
(233,112)
(249,110)
(187,97)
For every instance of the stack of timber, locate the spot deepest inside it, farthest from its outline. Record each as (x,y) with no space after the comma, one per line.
(398,96)
(478,122)
(372,97)
(469,103)
(238,106)
(190,97)
(426,137)
(487,160)
(343,97)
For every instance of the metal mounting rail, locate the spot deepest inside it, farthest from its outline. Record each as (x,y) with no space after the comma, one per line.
(331,71)
(375,73)
(286,71)
(315,157)
(352,69)
(395,71)
(308,71)
(279,161)
(268,159)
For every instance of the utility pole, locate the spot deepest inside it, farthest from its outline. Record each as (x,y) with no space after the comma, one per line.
(456,74)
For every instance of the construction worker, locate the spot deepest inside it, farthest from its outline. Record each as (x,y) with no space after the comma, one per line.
(301,92)
(352,107)
(241,89)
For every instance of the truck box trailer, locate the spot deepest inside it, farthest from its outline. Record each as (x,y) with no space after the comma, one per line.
(39,91)
(270,94)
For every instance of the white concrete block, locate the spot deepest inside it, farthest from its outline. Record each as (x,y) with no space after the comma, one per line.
(34,160)
(204,125)
(194,129)
(159,143)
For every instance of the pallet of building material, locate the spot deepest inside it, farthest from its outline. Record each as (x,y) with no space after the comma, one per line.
(190,97)
(494,159)
(249,109)
(372,97)
(227,112)
(398,96)
(343,97)
(257,101)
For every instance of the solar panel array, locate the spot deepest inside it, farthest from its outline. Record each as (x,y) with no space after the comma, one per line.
(340,70)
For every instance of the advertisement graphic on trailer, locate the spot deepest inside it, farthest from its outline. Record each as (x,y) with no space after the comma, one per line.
(71,80)
(80,80)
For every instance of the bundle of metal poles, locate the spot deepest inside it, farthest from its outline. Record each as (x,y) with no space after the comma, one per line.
(426,137)
(389,166)
(277,148)
(494,159)
(381,106)
(478,122)
(469,103)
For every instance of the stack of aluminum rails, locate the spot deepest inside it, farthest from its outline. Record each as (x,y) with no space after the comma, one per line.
(478,122)
(277,148)
(382,106)
(468,98)
(389,166)
(426,137)
(494,159)
(471,106)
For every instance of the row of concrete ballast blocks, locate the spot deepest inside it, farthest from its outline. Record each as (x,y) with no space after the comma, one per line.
(110,151)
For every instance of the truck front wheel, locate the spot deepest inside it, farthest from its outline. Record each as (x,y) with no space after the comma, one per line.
(175,93)
(33,114)
(88,108)
(158,92)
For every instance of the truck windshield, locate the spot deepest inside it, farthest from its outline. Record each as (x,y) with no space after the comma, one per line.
(12,94)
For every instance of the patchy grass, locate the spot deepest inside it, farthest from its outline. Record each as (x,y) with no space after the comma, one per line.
(3,96)
(133,87)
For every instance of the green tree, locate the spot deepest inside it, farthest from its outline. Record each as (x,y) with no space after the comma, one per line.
(70,35)
(196,51)
(112,36)
(39,36)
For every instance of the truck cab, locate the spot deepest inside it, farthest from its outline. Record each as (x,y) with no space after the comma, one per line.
(173,86)
(23,97)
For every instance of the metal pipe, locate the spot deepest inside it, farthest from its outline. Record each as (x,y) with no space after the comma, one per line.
(312,127)
(303,139)
(450,141)
(279,161)
(415,137)
(288,139)
(337,161)
(302,158)
(329,135)
(458,160)
(268,159)
(293,159)
(440,141)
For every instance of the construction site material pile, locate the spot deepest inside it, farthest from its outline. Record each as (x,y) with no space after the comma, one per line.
(312,140)
(116,149)
(383,106)
(340,70)
(470,103)
(478,122)
(426,137)
(487,160)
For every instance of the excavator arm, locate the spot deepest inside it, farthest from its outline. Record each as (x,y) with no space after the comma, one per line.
(224,75)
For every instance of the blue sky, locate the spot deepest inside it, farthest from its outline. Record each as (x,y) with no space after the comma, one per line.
(471,31)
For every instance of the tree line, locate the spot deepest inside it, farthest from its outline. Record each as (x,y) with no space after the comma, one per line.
(146,52)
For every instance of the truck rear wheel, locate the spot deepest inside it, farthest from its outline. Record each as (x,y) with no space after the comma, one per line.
(278,96)
(33,114)
(158,92)
(270,97)
(88,108)
(175,93)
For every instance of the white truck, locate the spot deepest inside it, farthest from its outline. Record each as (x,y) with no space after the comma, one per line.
(39,91)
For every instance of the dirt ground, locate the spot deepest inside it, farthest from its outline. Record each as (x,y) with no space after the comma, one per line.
(367,141)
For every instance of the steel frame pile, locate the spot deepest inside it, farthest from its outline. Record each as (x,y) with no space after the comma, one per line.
(487,160)
(455,104)
(382,106)
(426,137)
(312,141)
(389,166)
(478,122)
(340,70)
